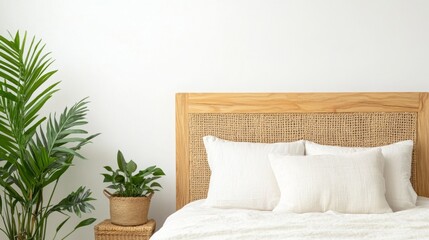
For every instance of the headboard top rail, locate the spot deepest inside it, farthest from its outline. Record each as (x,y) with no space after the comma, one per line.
(302,102)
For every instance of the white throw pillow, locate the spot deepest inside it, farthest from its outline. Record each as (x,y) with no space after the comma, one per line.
(397,169)
(349,183)
(241,175)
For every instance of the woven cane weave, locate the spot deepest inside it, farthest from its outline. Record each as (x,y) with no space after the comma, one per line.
(108,231)
(342,129)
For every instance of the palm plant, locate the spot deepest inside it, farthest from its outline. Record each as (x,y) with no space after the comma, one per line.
(33,157)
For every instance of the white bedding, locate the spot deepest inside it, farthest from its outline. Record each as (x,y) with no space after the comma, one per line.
(195,221)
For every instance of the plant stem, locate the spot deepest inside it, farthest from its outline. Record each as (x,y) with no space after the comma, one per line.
(42,225)
(68,234)
(45,214)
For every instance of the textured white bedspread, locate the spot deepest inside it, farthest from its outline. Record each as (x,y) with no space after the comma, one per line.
(195,221)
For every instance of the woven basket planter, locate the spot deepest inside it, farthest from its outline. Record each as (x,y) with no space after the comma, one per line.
(128,211)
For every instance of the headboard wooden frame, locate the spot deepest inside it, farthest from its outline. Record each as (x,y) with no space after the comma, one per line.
(190,103)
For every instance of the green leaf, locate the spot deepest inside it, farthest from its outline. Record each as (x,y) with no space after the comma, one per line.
(74,131)
(131,167)
(67,150)
(150,169)
(85,222)
(137,180)
(119,179)
(58,171)
(121,161)
(62,224)
(107,177)
(39,101)
(108,168)
(143,173)
(8,95)
(158,172)
(69,140)
(155,184)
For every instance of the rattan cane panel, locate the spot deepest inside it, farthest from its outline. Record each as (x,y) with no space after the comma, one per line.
(343,129)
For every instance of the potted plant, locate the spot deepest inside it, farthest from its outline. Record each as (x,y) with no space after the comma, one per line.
(129,204)
(36,151)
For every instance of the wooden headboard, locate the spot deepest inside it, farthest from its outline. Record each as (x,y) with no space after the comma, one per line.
(347,119)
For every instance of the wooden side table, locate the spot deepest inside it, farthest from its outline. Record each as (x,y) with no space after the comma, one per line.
(108,231)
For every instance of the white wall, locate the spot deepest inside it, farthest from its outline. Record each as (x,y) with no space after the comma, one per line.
(132,56)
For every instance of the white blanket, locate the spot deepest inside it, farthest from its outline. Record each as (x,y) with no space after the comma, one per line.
(195,221)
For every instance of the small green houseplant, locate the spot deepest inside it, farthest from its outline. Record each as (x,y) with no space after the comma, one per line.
(36,151)
(129,204)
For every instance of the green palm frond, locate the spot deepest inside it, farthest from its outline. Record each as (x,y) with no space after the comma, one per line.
(56,149)
(23,71)
(76,202)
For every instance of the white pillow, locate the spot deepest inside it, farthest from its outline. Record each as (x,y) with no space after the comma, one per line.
(397,170)
(241,175)
(349,183)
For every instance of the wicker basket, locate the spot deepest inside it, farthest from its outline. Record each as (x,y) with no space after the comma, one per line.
(108,231)
(128,211)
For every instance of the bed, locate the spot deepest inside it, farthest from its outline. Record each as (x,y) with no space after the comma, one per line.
(341,119)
